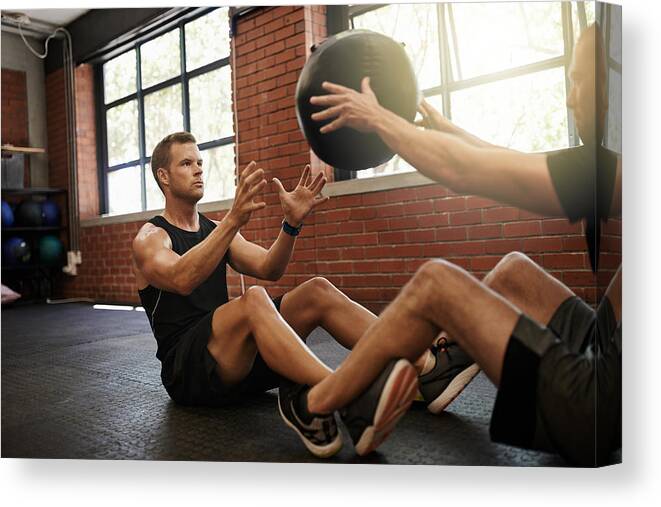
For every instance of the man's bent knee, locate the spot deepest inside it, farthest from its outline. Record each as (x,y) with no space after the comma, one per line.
(514,264)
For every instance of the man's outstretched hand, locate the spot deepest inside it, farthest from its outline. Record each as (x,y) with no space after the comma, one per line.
(347,107)
(298,203)
(251,183)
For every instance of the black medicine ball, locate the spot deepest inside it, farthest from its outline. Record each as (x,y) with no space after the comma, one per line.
(345,59)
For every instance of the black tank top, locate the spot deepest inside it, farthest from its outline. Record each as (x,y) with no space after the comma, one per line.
(171,315)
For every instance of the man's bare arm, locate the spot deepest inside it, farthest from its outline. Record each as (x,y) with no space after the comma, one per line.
(271,264)
(254,260)
(165,269)
(515,178)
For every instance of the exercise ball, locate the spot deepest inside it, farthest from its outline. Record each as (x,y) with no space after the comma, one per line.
(28,214)
(50,213)
(7,215)
(345,59)
(51,250)
(15,251)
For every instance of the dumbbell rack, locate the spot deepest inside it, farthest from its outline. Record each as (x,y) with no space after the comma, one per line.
(34,280)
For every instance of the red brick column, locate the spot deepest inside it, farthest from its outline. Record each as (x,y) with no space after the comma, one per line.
(15,113)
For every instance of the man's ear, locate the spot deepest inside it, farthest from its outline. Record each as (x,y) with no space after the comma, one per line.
(163,176)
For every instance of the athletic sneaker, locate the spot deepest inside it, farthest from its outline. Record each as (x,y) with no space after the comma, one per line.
(373,415)
(318,432)
(454,369)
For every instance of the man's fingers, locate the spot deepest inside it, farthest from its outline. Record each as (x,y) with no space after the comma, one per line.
(318,183)
(327,100)
(308,172)
(327,114)
(247,170)
(335,88)
(304,175)
(278,185)
(253,177)
(334,125)
(365,86)
(254,206)
(255,189)
(319,201)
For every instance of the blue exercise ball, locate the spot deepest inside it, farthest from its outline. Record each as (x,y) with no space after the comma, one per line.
(15,251)
(50,213)
(7,215)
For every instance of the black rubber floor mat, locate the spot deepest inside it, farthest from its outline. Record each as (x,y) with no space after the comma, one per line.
(84,383)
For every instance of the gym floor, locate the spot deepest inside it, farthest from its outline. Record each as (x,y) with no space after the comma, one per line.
(84,383)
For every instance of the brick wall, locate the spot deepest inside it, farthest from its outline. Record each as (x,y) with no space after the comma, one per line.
(15,112)
(368,244)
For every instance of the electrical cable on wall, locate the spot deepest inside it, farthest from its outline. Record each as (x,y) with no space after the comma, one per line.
(236,121)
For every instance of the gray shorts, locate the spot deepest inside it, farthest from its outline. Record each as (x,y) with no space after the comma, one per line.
(561,385)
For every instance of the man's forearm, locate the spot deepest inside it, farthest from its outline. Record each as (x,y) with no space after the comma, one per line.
(440,156)
(278,256)
(508,176)
(197,264)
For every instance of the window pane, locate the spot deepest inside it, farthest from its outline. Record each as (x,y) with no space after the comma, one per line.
(615,50)
(211,105)
(122,133)
(155,198)
(526,113)
(163,115)
(160,59)
(614,132)
(589,11)
(218,173)
(207,39)
(398,164)
(416,25)
(576,21)
(498,36)
(395,165)
(119,77)
(124,190)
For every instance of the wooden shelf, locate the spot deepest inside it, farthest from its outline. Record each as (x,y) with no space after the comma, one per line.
(33,191)
(9,148)
(40,228)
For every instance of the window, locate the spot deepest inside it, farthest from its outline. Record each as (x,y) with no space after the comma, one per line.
(498,70)
(610,18)
(177,79)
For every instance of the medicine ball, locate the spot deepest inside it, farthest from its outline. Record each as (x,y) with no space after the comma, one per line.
(51,250)
(28,214)
(345,59)
(15,251)
(7,215)
(50,213)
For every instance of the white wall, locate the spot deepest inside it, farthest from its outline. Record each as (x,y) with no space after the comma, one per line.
(16,56)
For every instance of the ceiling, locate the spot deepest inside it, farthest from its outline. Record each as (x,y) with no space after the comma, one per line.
(58,17)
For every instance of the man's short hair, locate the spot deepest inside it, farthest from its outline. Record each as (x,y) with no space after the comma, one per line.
(161,154)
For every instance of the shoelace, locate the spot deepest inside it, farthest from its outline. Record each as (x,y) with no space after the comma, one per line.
(442,345)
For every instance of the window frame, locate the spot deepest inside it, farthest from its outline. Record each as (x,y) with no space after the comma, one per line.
(449,84)
(183,79)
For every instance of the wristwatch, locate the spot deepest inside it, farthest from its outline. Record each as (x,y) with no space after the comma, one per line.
(290,229)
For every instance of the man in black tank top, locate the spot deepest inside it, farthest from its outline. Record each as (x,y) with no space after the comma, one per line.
(215,351)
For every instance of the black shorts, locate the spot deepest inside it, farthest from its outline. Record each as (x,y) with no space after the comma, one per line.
(561,385)
(189,372)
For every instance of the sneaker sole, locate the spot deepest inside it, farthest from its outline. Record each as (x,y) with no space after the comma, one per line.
(320,451)
(454,389)
(395,400)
